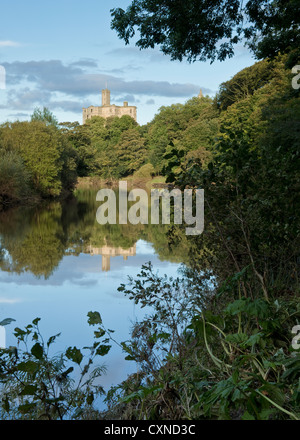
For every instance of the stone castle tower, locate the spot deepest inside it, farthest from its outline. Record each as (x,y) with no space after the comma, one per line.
(107,109)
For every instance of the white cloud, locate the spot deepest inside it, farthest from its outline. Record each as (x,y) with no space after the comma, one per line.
(9,300)
(63,86)
(9,43)
(54,76)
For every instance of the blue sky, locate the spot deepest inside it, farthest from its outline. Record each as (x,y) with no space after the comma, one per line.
(61,54)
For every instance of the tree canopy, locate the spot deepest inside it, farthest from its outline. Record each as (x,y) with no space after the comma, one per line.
(205,30)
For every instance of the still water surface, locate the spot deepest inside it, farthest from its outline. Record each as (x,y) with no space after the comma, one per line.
(57,263)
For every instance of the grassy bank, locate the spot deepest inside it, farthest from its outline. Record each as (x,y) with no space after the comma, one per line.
(132,182)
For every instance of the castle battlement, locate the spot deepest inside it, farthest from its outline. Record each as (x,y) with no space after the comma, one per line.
(107,109)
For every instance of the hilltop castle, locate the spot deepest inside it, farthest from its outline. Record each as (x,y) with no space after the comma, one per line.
(107,109)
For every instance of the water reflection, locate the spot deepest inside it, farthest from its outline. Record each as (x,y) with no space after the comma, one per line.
(36,239)
(50,267)
(110,251)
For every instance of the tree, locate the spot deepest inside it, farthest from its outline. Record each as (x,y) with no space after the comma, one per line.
(251,186)
(179,129)
(205,30)
(49,158)
(130,153)
(44,115)
(246,82)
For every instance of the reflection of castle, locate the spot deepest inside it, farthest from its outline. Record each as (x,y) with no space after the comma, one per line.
(110,251)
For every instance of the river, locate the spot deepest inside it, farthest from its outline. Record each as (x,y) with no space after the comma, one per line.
(57,263)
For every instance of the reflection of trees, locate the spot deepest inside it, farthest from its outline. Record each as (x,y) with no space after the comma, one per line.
(34,242)
(36,239)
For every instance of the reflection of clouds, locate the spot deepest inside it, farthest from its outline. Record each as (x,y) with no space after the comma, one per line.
(143,247)
(85,283)
(9,300)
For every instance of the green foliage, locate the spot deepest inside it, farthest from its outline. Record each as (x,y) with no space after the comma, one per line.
(251,184)
(111,148)
(246,82)
(145,172)
(204,30)
(130,153)
(181,132)
(14,179)
(229,355)
(37,385)
(45,159)
(44,115)
(235,363)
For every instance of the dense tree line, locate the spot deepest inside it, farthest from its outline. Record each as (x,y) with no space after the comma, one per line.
(42,157)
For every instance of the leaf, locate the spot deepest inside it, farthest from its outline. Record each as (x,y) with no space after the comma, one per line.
(26,407)
(37,351)
(52,339)
(19,333)
(94,318)
(28,367)
(257,307)
(90,398)
(237,338)
(5,404)
(68,371)
(292,369)
(29,390)
(129,358)
(74,354)
(103,350)
(274,393)
(254,339)
(236,307)
(6,321)
(247,416)
(99,334)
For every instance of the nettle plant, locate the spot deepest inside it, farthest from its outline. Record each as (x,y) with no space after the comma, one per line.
(34,385)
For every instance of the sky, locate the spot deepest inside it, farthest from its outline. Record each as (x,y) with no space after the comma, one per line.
(61,54)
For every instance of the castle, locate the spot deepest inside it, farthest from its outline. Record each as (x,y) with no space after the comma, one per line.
(107,109)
